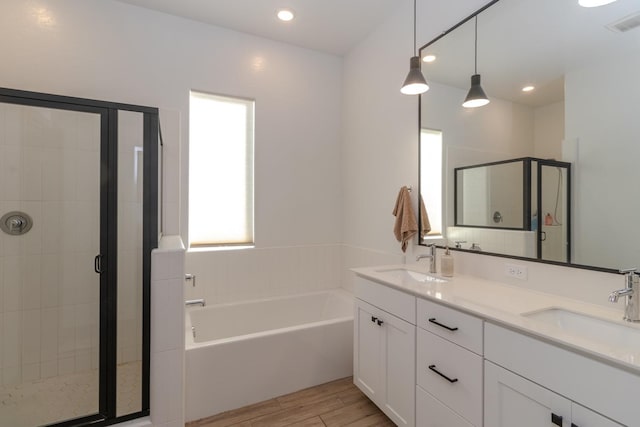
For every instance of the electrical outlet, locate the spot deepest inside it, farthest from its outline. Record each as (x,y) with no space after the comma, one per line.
(515,270)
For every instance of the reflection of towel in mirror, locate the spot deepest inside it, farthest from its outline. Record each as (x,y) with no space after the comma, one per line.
(425,225)
(406,226)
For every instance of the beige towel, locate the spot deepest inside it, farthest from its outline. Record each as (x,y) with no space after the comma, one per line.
(406,226)
(425,225)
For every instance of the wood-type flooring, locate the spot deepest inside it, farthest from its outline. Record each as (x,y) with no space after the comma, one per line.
(335,404)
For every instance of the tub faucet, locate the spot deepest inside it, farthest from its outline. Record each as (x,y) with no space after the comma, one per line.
(432,258)
(192,302)
(632,292)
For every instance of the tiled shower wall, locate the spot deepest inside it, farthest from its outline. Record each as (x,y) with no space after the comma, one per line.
(49,310)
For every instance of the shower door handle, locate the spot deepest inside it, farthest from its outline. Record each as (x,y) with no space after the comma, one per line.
(97,264)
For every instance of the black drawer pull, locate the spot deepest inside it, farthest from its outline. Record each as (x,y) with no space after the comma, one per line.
(451,380)
(379,322)
(433,320)
(556,419)
(574,425)
(373,319)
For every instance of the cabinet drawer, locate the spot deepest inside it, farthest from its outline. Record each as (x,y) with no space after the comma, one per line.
(453,325)
(431,413)
(391,300)
(438,358)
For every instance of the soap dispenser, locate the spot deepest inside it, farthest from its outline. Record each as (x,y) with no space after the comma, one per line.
(446,263)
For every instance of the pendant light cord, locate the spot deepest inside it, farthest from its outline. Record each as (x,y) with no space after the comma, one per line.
(414,27)
(475,66)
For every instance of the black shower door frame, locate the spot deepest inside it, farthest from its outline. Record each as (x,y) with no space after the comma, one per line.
(108,257)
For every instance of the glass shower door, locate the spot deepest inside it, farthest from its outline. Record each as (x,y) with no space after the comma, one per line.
(50,166)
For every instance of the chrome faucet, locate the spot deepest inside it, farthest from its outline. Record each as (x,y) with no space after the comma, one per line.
(632,292)
(432,258)
(192,302)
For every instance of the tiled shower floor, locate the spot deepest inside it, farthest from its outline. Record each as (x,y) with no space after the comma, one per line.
(60,398)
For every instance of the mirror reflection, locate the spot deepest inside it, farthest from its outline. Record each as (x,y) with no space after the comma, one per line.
(580,68)
(522,205)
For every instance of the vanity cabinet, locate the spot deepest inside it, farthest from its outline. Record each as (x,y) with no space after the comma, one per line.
(385,348)
(425,363)
(449,367)
(511,400)
(528,381)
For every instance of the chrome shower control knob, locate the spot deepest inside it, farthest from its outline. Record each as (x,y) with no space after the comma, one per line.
(16,223)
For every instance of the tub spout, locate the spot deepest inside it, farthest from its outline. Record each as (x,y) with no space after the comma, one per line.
(192,302)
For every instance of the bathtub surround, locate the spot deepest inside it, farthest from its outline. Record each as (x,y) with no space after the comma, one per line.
(238,275)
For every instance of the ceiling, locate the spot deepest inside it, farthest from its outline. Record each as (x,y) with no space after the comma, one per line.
(332,26)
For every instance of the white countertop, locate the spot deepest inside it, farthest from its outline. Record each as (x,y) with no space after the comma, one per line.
(504,305)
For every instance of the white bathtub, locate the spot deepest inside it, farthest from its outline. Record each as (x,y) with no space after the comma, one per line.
(252,351)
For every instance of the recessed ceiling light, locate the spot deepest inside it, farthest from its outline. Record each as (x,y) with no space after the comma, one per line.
(429,58)
(594,3)
(528,88)
(286,15)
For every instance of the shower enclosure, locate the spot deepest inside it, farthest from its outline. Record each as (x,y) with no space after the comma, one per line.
(79,207)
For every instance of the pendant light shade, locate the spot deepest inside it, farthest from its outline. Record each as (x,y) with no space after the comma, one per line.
(415,82)
(594,3)
(476,96)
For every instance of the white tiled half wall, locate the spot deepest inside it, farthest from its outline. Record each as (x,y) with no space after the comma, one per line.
(167,333)
(237,275)
(354,257)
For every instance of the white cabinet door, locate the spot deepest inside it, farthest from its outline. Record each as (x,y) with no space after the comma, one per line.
(399,361)
(511,400)
(368,347)
(583,417)
(384,361)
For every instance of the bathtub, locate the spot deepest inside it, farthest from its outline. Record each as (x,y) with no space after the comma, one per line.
(242,353)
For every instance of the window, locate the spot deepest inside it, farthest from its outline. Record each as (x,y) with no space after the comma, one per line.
(431,178)
(221,137)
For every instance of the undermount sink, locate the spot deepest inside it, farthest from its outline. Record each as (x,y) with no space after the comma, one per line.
(592,328)
(402,274)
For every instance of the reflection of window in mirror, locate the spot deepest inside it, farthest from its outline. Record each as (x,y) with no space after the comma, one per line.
(431,180)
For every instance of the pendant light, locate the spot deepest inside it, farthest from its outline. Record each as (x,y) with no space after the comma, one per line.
(476,96)
(415,83)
